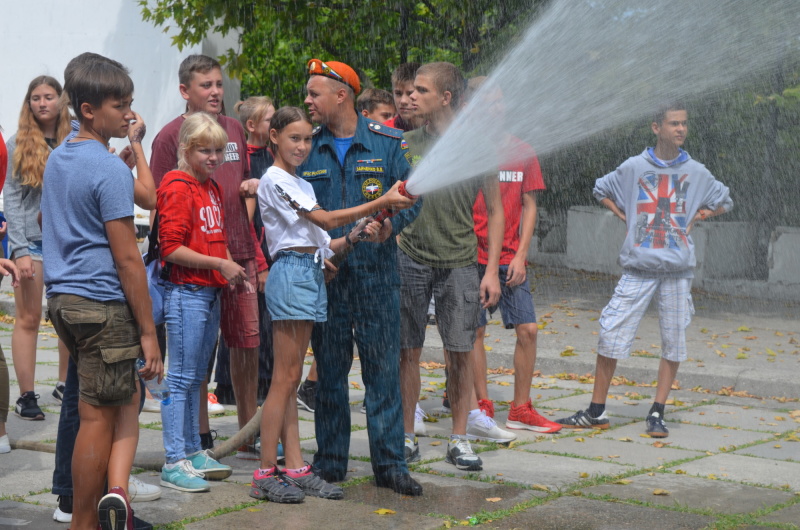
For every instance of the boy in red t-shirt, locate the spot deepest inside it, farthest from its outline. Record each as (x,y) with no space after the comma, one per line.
(520,179)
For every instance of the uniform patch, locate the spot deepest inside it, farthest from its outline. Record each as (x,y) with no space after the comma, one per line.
(403,144)
(369,169)
(385,130)
(315,173)
(372,188)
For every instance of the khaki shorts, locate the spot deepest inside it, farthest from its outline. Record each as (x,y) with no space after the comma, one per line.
(103,340)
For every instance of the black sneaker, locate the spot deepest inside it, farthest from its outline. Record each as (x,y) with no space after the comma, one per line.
(307,395)
(582,420)
(399,482)
(58,391)
(315,486)
(27,407)
(656,428)
(63,513)
(207,439)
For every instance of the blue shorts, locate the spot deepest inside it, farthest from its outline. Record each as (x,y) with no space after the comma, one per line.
(516,303)
(296,288)
(35,250)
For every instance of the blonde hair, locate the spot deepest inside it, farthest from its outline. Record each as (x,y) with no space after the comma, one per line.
(253,108)
(199,128)
(31,151)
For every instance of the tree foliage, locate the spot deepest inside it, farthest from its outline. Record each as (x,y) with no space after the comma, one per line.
(278,37)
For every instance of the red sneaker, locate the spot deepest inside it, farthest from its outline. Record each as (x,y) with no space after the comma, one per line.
(487,406)
(526,417)
(114,511)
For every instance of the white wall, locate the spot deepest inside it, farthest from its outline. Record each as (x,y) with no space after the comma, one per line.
(42,37)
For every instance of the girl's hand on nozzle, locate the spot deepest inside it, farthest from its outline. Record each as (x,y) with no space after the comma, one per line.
(369,226)
(7,268)
(397,201)
(137,129)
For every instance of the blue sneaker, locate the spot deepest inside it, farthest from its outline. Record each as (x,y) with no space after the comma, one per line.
(210,468)
(182,476)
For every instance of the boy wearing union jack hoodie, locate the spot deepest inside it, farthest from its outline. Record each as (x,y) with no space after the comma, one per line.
(659,194)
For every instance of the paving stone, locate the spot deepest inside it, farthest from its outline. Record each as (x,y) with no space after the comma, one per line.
(20,515)
(693,492)
(638,455)
(576,513)
(747,469)
(688,436)
(784,451)
(439,495)
(175,505)
(790,515)
(315,513)
(24,471)
(522,467)
(737,417)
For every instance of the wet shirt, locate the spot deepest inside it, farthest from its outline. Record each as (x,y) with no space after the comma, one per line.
(443,234)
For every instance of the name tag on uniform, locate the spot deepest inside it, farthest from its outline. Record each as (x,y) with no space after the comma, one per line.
(315,173)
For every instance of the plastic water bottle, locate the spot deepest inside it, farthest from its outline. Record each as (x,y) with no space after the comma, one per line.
(159,391)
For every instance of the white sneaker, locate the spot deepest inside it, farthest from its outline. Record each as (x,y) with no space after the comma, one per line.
(484,428)
(420,429)
(5,445)
(151,405)
(139,491)
(62,517)
(214,406)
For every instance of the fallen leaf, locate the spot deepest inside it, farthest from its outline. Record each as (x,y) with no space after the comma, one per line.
(643,435)
(355,385)
(540,487)
(777,446)
(622,481)
(613,456)
(579,440)
(626,439)
(659,445)
(584,475)
(750,337)
(384,511)
(780,418)
(743,328)
(494,499)
(254,509)
(504,383)
(660,492)
(436,443)
(680,472)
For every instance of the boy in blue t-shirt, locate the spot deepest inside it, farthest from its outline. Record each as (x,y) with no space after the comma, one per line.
(97,294)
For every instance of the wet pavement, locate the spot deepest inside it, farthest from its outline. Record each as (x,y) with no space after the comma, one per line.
(732,459)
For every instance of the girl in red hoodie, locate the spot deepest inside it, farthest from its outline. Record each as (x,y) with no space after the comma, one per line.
(197,266)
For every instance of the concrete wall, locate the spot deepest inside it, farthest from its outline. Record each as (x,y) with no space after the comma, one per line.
(594,237)
(784,256)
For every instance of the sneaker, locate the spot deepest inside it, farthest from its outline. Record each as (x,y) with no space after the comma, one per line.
(445,404)
(207,439)
(307,395)
(461,455)
(275,488)
(256,448)
(526,417)
(582,420)
(151,405)
(5,445)
(63,513)
(114,512)
(182,476)
(656,427)
(214,407)
(364,408)
(487,406)
(486,429)
(27,407)
(58,391)
(210,468)
(139,491)
(313,485)
(419,422)
(411,450)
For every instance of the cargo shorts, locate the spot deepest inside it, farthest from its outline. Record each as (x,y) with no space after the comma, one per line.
(104,342)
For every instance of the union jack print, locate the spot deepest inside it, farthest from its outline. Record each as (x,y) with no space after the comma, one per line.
(661,211)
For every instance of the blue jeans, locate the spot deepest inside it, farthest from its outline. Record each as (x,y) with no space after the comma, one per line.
(365,307)
(192,315)
(68,424)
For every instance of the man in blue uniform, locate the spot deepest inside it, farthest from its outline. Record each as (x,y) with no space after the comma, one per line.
(352,161)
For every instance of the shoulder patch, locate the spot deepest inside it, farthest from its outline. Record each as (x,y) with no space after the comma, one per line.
(316,130)
(385,130)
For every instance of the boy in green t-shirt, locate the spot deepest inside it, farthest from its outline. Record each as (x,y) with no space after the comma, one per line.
(438,255)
